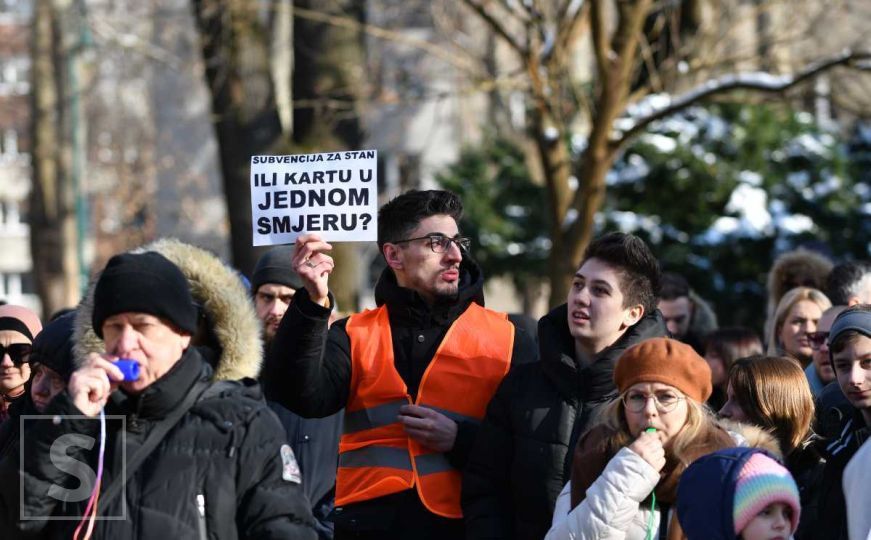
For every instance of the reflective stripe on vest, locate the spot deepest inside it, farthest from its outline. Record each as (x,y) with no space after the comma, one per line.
(376,456)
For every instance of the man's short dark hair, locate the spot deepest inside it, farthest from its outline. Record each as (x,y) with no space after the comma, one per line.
(635,264)
(845,280)
(673,286)
(403,214)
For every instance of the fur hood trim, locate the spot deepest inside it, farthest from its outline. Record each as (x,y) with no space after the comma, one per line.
(752,436)
(214,286)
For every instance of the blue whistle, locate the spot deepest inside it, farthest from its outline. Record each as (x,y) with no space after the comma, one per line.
(130,368)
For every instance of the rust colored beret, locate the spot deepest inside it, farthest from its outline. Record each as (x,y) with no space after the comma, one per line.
(666,361)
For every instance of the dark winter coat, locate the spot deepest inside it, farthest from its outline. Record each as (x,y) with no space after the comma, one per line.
(10,433)
(223,471)
(217,472)
(315,443)
(52,347)
(309,372)
(806,466)
(831,519)
(521,459)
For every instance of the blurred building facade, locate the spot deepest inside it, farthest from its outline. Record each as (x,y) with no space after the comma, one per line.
(16,284)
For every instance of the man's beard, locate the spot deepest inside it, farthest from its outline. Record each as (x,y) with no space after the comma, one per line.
(445,296)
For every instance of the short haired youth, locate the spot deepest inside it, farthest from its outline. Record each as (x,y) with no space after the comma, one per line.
(637,268)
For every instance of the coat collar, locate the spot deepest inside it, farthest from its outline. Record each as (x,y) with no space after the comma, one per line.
(596,381)
(409,308)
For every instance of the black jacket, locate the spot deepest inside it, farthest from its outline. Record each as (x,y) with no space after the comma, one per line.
(831,519)
(218,471)
(308,370)
(315,443)
(522,457)
(10,433)
(229,447)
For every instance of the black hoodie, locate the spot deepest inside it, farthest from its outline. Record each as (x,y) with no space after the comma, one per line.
(308,371)
(522,457)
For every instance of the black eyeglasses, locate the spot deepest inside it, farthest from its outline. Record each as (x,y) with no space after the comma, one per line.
(817,339)
(19,353)
(440,243)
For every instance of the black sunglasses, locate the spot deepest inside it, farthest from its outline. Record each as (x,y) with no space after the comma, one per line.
(817,339)
(19,353)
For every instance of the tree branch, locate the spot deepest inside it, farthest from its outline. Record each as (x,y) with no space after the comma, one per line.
(382,33)
(567,26)
(600,41)
(756,81)
(524,16)
(496,26)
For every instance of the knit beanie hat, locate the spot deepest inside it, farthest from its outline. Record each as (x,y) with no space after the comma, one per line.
(144,283)
(274,266)
(53,347)
(666,361)
(855,319)
(719,493)
(763,481)
(20,319)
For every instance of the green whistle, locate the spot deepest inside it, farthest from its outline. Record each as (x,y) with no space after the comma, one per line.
(650,430)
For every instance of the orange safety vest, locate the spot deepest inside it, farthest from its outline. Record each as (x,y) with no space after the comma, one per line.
(376,456)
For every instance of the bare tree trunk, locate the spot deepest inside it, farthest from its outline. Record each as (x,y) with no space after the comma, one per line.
(329,80)
(53,232)
(236,53)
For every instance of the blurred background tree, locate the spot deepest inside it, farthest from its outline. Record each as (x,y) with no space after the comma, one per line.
(504,214)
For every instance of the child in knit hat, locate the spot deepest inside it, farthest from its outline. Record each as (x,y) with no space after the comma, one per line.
(738,493)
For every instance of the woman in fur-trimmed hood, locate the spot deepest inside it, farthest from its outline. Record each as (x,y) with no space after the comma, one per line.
(199,452)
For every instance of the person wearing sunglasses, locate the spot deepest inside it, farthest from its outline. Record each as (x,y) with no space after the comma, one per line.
(819,371)
(51,363)
(18,327)
(414,375)
(796,316)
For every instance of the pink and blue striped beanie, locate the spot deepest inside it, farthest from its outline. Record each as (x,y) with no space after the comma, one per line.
(763,481)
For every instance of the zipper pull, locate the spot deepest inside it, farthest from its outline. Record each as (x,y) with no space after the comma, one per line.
(201,508)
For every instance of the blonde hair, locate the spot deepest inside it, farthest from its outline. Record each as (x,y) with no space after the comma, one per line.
(774,393)
(789,300)
(700,420)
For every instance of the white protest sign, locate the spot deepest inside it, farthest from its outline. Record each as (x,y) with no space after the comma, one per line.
(333,194)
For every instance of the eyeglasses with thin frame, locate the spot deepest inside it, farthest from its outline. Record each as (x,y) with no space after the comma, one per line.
(817,339)
(664,401)
(440,243)
(19,353)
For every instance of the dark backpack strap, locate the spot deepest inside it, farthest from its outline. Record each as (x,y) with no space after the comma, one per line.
(153,440)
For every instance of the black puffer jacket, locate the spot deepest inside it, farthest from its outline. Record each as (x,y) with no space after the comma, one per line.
(218,472)
(831,518)
(308,371)
(521,459)
(223,471)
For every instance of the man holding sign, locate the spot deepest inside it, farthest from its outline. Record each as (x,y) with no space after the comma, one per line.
(414,375)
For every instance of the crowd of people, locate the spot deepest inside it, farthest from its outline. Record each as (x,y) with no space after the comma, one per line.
(252,412)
